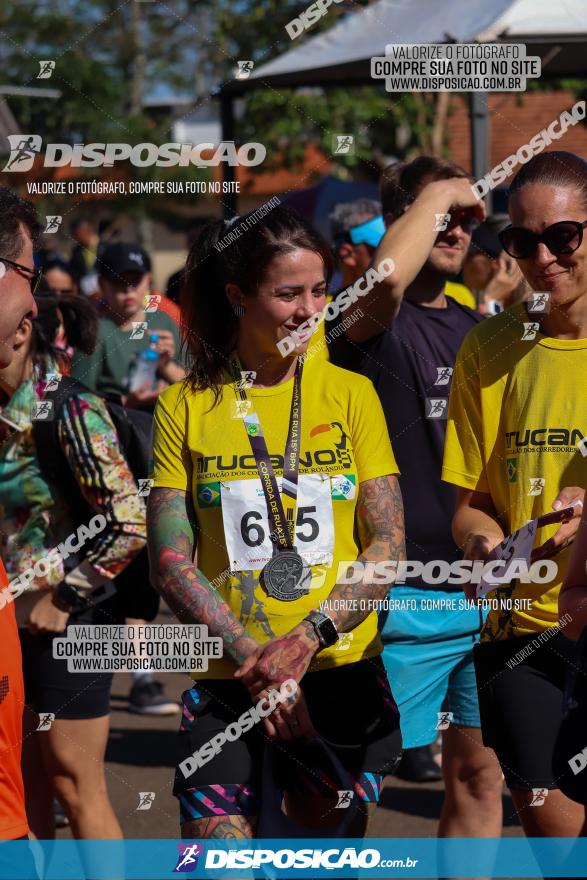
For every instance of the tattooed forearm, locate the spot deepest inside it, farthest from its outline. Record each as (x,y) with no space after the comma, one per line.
(171,536)
(380,523)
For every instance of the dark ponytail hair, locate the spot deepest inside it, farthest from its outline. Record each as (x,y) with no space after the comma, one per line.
(80,323)
(554,168)
(239,252)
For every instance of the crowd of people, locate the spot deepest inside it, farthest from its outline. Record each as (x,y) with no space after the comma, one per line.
(431,414)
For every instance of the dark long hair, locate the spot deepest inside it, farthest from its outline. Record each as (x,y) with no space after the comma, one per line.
(237,252)
(80,323)
(553,168)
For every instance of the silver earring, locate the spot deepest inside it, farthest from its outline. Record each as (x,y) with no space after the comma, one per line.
(239,309)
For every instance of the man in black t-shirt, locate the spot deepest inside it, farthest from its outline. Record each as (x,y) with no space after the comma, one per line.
(406,342)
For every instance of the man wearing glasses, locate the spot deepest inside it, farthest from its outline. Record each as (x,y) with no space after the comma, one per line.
(19,232)
(408,338)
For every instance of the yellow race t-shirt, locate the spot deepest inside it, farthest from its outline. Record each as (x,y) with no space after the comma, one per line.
(516,420)
(344,442)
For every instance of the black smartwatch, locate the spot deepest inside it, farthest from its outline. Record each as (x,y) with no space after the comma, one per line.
(71,598)
(323,627)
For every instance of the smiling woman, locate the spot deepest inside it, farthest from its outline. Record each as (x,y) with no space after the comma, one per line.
(517,412)
(251,452)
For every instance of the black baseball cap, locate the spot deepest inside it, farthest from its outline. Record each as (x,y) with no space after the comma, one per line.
(122,257)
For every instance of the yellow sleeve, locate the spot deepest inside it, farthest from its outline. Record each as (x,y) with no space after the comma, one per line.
(464,459)
(171,455)
(369,435)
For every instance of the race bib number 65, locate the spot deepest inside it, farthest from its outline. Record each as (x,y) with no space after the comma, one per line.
(247,528)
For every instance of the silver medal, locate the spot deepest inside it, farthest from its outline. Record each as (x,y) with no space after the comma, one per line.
(286,576)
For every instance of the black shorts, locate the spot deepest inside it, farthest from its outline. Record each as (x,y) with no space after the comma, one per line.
(351,708)
(49,687)
(521,704)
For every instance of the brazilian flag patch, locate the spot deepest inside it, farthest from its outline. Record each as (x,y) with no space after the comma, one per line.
(343,487)
(512,466)
(208,495)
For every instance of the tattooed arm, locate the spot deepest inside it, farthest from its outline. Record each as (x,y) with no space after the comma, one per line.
(380,523)
(171,531)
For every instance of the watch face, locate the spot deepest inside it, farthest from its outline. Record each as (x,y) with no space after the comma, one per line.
(328,632)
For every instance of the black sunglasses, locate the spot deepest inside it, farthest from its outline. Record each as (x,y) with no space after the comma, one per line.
(563,237)
(34,275)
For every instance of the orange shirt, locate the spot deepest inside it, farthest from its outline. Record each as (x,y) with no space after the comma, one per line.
(13,821)
(170,308)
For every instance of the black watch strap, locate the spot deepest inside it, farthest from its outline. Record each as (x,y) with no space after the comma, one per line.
(71,597)
(323,627)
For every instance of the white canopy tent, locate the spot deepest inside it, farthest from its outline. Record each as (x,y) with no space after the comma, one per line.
(344,51)
(557,32)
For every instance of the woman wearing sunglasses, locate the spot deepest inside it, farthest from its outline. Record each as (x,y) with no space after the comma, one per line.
(514,440)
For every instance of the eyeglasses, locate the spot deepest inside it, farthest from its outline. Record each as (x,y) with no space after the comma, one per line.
(462,217)
(563,237)
(34,275)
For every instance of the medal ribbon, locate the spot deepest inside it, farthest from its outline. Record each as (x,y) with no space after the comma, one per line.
(281,510)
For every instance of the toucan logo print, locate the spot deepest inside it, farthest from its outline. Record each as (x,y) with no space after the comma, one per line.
(340,445)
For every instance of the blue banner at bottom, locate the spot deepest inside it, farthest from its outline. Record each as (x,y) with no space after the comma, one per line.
(292,858)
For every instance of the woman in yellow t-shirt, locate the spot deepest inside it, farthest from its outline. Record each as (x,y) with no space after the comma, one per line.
(279,475)
(515,447)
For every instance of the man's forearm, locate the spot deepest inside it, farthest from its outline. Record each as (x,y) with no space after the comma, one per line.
(469,521)
(410,239)
(406,245)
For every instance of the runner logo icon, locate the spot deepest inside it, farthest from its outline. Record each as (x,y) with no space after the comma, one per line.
(344,799)
(343,144)
(46,68)
(23,149)
(443,376)
(187,860)
(442,221)
(539,795)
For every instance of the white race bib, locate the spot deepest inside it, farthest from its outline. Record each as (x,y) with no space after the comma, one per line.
(247,528)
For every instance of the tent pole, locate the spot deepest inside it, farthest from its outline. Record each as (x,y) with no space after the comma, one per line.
(229,199)
(479,128)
